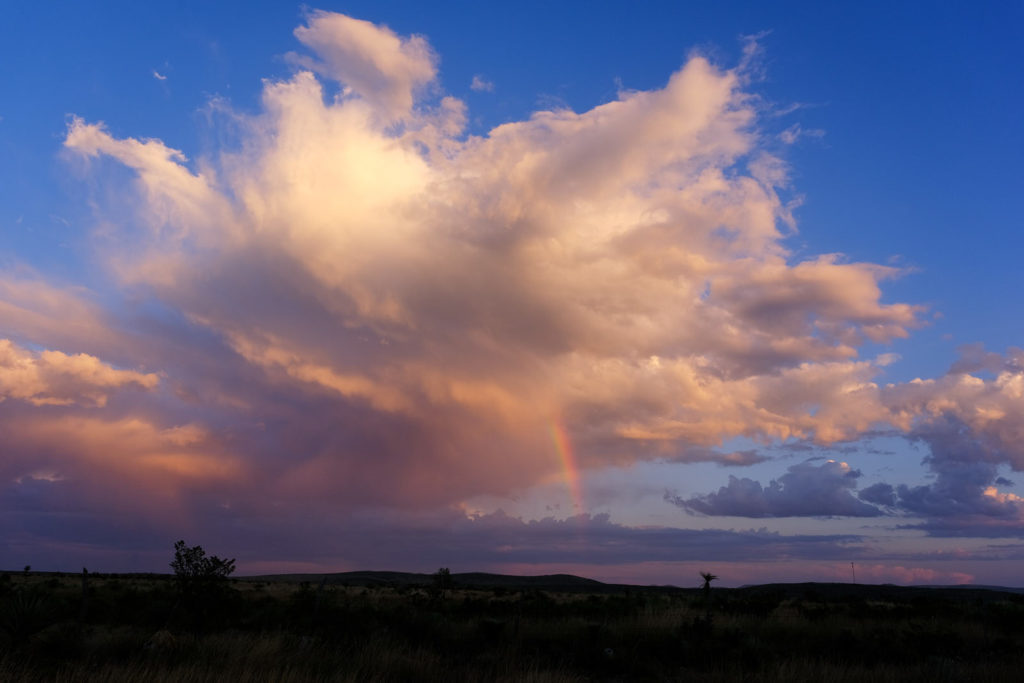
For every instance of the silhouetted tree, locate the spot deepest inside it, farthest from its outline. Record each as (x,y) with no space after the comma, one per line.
(191,565)
(442,580)
(201,582)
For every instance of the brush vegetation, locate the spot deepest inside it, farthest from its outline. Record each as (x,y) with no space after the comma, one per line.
(376,626)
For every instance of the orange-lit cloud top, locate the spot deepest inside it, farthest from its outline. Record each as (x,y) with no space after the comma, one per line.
(372,307)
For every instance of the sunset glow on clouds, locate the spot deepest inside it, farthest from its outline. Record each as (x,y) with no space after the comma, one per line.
(354,314)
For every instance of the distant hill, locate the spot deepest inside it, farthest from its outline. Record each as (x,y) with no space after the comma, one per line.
(844,591)
(563,583)
(971,586)
(567,583)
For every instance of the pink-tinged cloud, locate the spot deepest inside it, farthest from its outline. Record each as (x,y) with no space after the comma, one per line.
(53,316)
(56,378)
(358,304)
(376,64)
(881,573)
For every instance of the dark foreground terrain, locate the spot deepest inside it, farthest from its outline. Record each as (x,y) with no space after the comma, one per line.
(381,626)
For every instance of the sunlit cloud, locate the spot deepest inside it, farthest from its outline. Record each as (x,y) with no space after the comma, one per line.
(377,65)
(52,316)
(55,378)
(362,304)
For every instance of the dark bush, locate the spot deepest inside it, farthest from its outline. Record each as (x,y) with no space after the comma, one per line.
(204,592)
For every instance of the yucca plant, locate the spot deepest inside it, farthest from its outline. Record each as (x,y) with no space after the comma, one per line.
(22,613)
(708,578)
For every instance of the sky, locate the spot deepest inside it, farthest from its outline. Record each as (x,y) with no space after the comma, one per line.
(630,291)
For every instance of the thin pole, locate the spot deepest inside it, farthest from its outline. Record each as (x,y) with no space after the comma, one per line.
(852,569)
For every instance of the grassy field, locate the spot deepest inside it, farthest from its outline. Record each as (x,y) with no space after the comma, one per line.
(384,628)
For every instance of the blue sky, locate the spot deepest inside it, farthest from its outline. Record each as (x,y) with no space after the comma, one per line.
(213,326)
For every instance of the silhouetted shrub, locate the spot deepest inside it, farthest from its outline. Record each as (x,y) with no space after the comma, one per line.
(23,612)
(202,585)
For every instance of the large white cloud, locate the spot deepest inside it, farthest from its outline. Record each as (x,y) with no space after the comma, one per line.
(624,262)
(365,304)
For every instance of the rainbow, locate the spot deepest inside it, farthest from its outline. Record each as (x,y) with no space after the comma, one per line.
(570,469)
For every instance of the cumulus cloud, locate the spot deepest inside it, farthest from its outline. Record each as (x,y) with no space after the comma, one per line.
(964,499)
(360,304)
(971,424)
(556,269)
(805,490)
(620,269)
(879,494)
(378,65)
(984,417)
(56,378)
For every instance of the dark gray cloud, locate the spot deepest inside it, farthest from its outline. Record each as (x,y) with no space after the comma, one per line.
(963,500)
(970,527)
(965,467)
(805,490)
(68,535)
(879,494)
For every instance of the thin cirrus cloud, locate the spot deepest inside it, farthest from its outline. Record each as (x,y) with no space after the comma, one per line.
(363,305)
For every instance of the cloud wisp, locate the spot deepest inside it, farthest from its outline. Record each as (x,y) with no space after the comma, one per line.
(481,84)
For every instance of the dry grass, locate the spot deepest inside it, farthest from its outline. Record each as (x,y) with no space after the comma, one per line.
(289,632)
